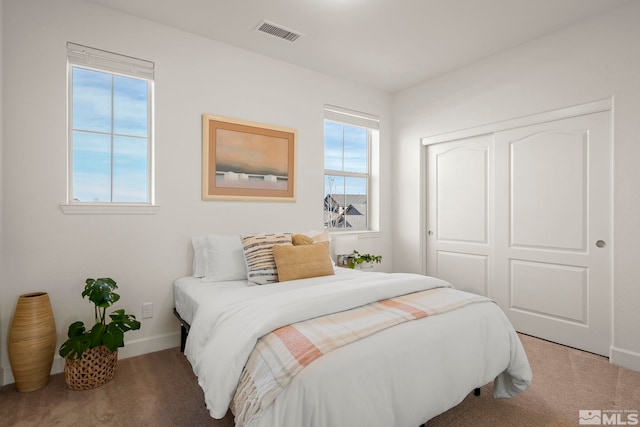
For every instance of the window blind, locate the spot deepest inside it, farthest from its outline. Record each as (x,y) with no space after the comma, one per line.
(352,117)
(95,58)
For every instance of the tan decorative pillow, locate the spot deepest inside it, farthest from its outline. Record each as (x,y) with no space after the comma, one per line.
(301,239)
(309,238)
(303,262)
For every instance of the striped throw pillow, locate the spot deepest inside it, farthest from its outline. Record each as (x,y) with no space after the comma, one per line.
(258,253)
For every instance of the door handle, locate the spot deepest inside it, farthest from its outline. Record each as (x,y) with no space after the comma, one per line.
(601,243)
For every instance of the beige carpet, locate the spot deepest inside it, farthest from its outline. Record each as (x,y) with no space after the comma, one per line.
(565,381)
(159,389)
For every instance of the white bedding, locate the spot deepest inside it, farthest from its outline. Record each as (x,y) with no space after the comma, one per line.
(190,291)
(402,376)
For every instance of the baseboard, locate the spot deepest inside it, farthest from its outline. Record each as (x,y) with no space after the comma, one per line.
(149,345)
(625,358)
(132,348)
(7,376)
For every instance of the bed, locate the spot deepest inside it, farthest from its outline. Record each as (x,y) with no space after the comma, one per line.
(399,375)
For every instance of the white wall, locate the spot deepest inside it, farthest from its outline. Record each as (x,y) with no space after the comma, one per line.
(2,297)
(590,61)
(49,251)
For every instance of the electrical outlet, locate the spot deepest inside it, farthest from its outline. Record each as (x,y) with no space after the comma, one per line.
(147,310)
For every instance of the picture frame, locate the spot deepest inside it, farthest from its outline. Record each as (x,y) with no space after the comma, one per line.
(244,160)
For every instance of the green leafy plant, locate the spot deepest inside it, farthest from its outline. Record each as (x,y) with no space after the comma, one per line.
(357,258)
(101,294)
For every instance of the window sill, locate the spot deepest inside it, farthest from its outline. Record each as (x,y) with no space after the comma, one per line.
(362,234)
(108,209)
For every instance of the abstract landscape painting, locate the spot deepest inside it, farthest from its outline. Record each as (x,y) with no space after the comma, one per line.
(244,160)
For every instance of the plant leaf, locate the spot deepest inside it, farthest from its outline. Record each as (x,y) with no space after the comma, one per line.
(100,291)
(76,329)
(125,322)
(113,337)
(74,347)
(96,335)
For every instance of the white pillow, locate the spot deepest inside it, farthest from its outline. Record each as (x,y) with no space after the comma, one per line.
(199,255)
(225,258)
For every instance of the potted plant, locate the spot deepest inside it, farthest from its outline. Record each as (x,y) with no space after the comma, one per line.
(91,355)
(357,259)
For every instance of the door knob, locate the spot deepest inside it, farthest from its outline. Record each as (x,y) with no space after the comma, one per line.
(601,243)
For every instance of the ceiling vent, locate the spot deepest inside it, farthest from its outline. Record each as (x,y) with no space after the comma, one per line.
(278,31)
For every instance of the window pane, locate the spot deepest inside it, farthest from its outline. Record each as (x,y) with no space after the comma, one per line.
(110,122)
(130,107)
(333,201)
(334,186)
(333,145)
(91,100)
(355,149)
(345,202)
(356,202)
(91,167)
(130,169)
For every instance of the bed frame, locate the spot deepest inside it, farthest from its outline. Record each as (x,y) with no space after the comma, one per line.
(184,331)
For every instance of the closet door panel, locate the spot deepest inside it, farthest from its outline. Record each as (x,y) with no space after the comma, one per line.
(549,185)
(552,263)
(459,218)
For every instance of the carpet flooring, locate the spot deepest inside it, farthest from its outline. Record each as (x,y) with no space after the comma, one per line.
(159,389)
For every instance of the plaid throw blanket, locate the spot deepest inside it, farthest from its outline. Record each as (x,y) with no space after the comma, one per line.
(281,354)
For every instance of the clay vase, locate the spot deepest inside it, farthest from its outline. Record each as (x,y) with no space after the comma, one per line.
(32,341)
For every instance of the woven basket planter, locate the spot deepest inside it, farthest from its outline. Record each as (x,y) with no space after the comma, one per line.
(97,367)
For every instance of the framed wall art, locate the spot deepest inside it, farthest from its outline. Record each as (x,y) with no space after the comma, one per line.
(247,161)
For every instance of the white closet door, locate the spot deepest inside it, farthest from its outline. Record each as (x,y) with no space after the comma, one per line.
(523,216)
(459,212)
(553,206)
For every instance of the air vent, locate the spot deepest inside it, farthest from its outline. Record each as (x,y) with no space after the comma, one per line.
(278,31)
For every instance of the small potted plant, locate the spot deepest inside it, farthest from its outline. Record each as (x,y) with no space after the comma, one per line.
(357,260)
(91,355)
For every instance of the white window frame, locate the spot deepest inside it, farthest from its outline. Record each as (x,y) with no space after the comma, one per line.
(79,56)
(372,124)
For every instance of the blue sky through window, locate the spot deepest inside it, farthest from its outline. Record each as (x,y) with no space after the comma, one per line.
(345,150)
(110,137)
(346,164)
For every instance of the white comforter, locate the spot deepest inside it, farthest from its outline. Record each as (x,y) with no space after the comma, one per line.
(427,365)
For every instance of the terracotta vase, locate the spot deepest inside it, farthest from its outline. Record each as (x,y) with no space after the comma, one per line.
(32,341)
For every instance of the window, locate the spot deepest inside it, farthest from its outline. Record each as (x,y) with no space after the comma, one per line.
(348,151)
(110,128)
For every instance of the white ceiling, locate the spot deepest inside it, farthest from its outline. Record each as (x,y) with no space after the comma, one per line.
(386,44)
